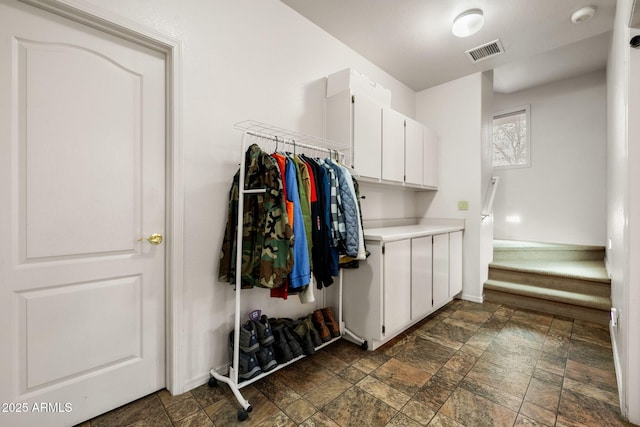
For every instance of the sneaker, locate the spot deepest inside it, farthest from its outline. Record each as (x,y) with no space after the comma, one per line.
(266,358)
(331,322)
(265,334)
(321,327)
(249,337)
(280,346)
(248,364)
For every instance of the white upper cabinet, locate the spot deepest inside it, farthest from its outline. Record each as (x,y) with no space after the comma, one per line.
(431,159)
(356,120)
(386,146)
(393,145)
(414,146)
(367,137)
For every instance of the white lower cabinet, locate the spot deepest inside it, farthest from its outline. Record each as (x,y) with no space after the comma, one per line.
(421,277)
(397,292)
(455,263)
(440,269)
(400,283)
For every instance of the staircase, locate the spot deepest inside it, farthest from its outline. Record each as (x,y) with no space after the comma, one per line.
(565,280)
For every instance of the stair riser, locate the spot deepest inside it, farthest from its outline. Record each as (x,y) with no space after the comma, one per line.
(551,307)
(547,255)
(551,282)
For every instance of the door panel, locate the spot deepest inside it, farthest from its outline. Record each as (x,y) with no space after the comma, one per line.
(421,276)
(82,161)
(367,137)
(100,182)
(414,156)
(397,285)
(392,145)
(440,269)
(49,329)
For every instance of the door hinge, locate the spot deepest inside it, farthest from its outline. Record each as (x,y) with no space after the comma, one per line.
(382,249)
(383,329)
(353,99)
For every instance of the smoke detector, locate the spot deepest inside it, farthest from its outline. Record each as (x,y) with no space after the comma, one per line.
(583,14)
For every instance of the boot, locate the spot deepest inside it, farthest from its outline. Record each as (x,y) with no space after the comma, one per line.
(265,335)
(296,349)
(280,346)
(301,331)
(331,322)
(315,336)
(248,364)
(266,358)
(249,337)
(318,322)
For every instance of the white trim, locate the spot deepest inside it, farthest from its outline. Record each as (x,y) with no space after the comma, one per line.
(472,298)
(106,21)
(613,332)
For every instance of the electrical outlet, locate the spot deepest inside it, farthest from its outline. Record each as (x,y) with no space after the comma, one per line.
(463,205)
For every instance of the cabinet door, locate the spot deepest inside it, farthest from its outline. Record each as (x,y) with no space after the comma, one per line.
(362,295)
(455,263)
(397,285)
(431,159)
(414,156)
(367,137)
(440,270)
(421,277)
(392,145)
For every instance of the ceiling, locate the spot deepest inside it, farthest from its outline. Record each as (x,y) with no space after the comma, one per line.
(412,40)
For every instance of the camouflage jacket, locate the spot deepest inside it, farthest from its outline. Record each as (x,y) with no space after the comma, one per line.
(267,238)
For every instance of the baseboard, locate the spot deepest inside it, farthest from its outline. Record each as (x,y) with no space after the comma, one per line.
(616,361)
(472,298)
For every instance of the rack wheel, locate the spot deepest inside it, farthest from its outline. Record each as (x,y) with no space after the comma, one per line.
(250,408)
(242,414)
(364,346)
(212,382)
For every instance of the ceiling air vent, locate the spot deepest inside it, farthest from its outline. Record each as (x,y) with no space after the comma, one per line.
(485,51)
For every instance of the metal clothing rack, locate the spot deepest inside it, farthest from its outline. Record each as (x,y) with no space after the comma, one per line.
(256,130)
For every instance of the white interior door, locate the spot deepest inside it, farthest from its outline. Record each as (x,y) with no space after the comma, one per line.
(82,164)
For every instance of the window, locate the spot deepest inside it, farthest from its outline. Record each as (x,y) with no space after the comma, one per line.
(511,138)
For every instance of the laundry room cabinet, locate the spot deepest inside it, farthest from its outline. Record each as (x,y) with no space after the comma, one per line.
(393,146)
(387,147)
(357,120)
(412,271)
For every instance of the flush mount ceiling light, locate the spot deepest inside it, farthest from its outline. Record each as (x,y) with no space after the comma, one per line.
(583,14)
(468,23)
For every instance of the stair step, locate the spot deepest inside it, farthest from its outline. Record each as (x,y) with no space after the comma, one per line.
(546,306)
(597,302)
(586,277)
(510,250)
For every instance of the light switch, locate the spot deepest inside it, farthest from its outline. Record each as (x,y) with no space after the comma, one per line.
(463,205)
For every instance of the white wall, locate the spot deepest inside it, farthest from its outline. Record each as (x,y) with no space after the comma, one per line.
(623,208)
(454,111)
(242,59)
(561,197)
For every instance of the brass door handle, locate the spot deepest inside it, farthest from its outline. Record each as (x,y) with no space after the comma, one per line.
(154,239)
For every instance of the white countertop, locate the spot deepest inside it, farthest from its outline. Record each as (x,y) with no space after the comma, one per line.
(402,232)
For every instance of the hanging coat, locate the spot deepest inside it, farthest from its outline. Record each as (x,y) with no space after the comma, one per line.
(267,240)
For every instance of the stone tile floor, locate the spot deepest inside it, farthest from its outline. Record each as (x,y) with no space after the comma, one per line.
(466,365)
